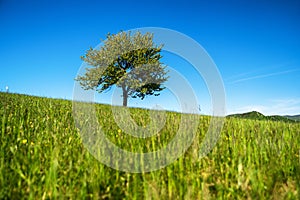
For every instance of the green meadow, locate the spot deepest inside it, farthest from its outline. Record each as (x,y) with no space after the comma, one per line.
(43,157)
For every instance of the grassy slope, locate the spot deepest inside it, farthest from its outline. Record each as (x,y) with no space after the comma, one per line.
(42,156)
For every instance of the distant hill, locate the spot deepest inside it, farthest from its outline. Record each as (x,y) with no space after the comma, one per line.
(259,116)
(293,117)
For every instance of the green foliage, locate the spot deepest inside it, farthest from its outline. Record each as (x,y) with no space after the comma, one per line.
(131,62)
(42,157)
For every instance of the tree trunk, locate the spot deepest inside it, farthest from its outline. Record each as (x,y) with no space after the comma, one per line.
(125,95)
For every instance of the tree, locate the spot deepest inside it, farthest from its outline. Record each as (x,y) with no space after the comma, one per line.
(129,61)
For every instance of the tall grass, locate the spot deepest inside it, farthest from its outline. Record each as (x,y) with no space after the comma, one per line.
(42,156)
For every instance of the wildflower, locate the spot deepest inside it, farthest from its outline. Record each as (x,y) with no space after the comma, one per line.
(24,141)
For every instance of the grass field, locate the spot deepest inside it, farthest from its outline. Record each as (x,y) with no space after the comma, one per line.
(42,157)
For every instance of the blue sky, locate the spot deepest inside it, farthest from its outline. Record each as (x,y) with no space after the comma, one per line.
(255,45)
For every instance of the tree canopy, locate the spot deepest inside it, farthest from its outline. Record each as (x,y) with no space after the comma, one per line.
(129,61)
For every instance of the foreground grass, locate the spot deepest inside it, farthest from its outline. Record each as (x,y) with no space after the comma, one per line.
(42,157)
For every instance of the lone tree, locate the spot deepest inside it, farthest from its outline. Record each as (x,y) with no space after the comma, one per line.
(129,61)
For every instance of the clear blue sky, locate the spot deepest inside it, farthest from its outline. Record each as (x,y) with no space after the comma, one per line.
(255,44)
